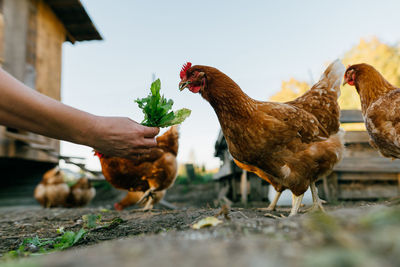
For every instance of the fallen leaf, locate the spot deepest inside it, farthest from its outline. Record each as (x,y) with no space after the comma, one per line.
(206,222)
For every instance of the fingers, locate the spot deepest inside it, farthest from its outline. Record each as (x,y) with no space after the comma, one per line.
(149,142)
(150,132)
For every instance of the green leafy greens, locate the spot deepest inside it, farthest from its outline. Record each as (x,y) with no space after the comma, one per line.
(157,109)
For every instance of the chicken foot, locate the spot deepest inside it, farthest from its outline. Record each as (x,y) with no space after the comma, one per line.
(272,205)
(149,204)
(317,202)
(296,204)
(147,194)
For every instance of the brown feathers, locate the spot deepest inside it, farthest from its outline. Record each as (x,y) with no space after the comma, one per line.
(380,102)
(370,84)
(53,191)
(288,144)
(154,171)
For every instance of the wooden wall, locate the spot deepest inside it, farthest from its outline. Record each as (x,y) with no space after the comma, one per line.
(50,37)
(33,39)
(1,34)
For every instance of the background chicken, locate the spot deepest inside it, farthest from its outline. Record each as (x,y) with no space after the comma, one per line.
(81,193)
(290,144)
(147,173)
(133,198)
(52,191)
(380,104)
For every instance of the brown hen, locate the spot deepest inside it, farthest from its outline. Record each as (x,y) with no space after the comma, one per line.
(147,173)
(380,104)
(52,191)
(290,144)
(81,194)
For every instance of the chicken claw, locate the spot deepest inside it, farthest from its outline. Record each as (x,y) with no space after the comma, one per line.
(147,194)
(317,202)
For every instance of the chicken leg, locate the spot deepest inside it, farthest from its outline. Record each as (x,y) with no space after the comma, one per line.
(296,204)
(317,202)
(146,194)
(149,204)
(272,205)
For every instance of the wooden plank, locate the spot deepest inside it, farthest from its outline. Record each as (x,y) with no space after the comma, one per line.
(368,176)
(377,165)
(50,37)
(15,29)
(31,40)
(351,116)
(358,191)
(243,187)
(356,137)
(1,35)
(330,187)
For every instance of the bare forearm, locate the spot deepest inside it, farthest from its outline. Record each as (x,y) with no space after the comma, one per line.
(24,108)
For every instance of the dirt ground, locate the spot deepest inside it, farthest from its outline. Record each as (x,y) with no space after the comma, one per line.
(349,234)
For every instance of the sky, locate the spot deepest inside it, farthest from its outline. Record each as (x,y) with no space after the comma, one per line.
(257,43)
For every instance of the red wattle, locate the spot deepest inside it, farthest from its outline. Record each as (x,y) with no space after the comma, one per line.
(195,89)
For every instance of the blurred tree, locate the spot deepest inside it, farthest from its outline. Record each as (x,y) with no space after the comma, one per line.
(385,58)
(290,90)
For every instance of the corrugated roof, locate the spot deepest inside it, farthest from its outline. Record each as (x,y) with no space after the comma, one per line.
(77,22)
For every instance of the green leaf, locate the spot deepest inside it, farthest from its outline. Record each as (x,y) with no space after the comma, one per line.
(79,235)
(91,220)
(155,87)
(179,116)
(157,109)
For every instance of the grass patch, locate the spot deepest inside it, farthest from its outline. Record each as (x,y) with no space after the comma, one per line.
(36,245)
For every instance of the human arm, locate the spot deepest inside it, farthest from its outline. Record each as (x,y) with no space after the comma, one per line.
(26,109)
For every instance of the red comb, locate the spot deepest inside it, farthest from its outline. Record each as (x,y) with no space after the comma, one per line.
(185,67)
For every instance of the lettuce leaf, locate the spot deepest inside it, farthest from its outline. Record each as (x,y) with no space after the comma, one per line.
(157,109)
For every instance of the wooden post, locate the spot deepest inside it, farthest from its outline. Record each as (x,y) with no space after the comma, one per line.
(243,187)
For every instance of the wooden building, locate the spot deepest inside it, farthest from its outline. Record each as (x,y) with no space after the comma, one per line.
(32,33)
(363,174)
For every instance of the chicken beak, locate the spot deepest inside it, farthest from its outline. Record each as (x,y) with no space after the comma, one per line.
(183,85)
(345,79)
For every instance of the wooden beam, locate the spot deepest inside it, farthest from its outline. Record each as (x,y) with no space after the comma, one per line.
(243,187)
(351,116)
(367,164)
(362,191)
(369,176)
(356,137)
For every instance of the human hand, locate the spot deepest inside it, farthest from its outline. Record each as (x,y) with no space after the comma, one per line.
(122,137)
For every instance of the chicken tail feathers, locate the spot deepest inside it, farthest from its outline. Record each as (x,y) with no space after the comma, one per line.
(332,77)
